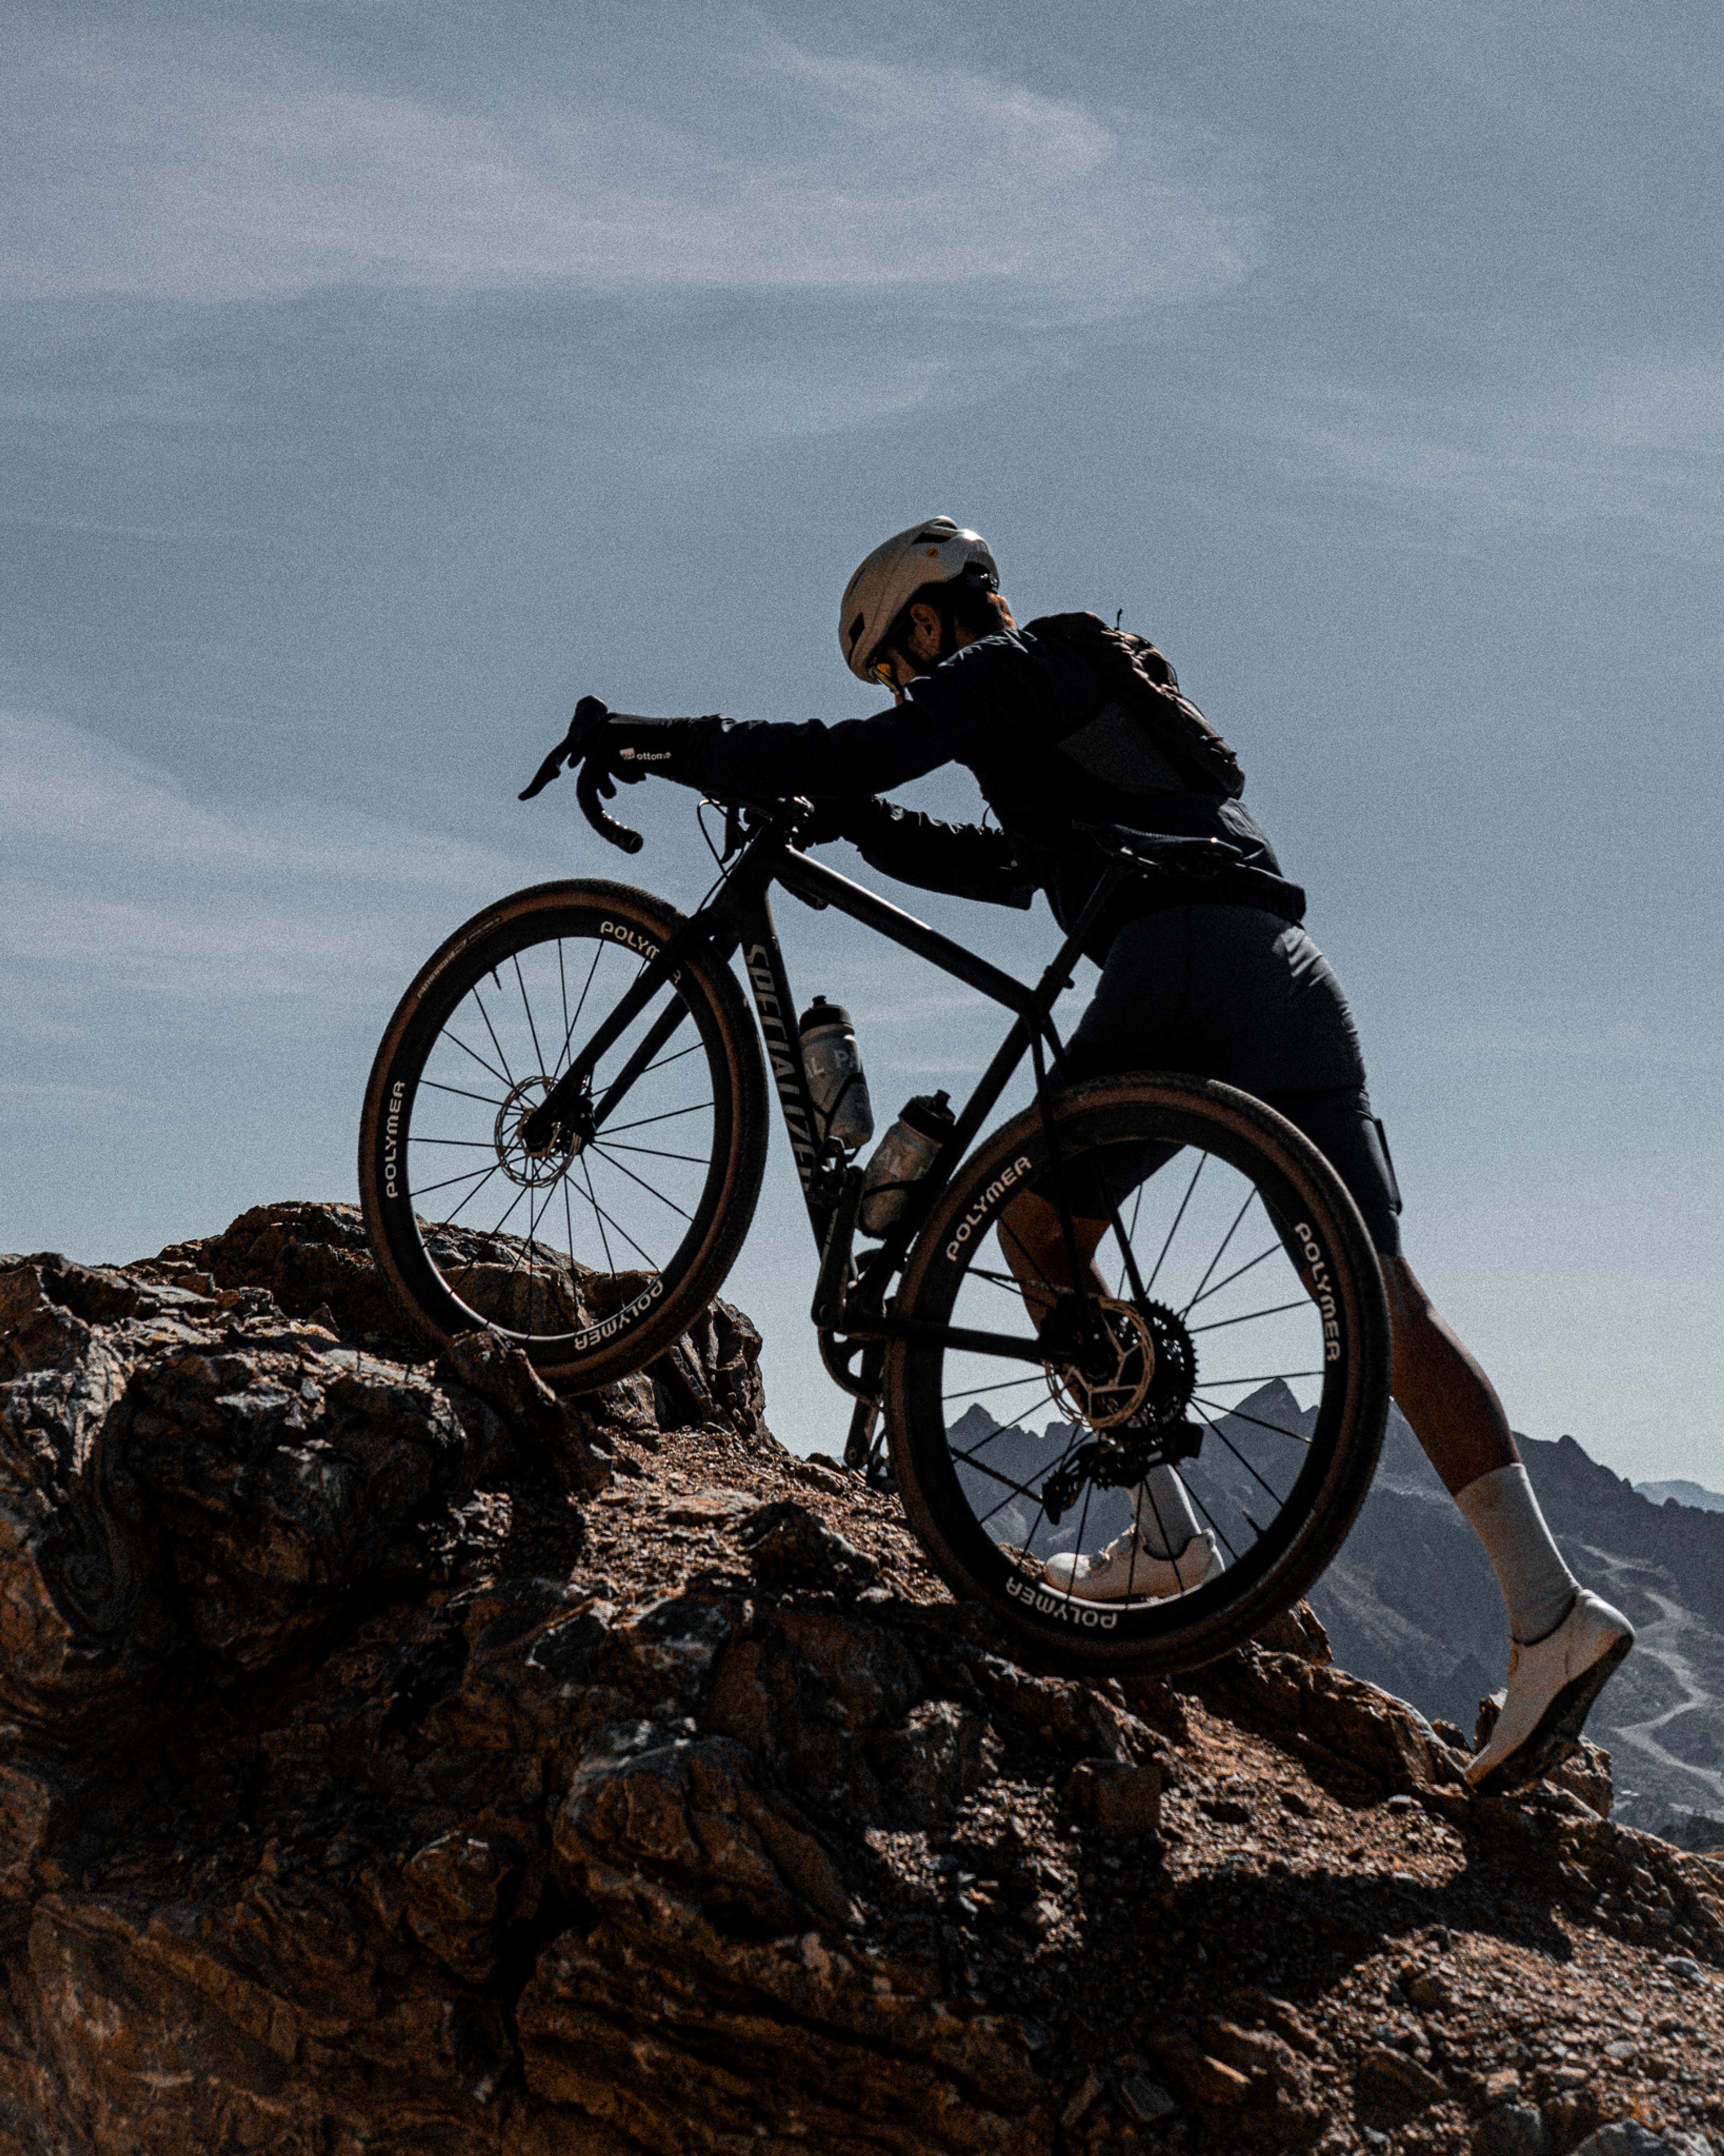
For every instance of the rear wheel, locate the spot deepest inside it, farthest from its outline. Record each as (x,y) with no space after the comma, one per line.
(593,1256)
(1243,1349)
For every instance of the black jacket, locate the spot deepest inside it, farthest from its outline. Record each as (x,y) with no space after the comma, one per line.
(1032,718)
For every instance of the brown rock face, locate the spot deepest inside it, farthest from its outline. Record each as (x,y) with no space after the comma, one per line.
(396,1758)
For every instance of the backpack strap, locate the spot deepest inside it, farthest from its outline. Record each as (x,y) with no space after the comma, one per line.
(1139,681)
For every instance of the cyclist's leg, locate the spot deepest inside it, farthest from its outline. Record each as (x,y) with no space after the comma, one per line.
(1254,1003)
(1565,1642)
(1439,1387)
(1150,1010)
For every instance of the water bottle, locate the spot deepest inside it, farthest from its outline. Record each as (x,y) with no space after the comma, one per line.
(905,1154)
(832,1063)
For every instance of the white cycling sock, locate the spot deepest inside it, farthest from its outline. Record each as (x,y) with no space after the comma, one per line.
(1165,1519)
(1537,1586)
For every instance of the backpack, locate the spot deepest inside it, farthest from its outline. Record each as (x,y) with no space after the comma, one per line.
(1145,734)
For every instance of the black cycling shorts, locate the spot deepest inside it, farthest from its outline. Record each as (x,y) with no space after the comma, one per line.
(1232,992)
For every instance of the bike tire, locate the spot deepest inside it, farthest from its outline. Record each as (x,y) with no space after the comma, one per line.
(462,1061)
(1314,1460)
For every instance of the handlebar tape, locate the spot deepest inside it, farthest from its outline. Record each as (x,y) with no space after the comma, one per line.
(607,826)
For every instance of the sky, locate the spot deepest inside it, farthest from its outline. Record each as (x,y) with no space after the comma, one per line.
(378,378)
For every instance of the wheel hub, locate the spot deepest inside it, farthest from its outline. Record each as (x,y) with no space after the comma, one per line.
(1108,1366)
(533,1170)
(1129,1370)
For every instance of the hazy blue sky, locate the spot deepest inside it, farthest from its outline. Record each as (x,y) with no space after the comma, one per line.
(380,378)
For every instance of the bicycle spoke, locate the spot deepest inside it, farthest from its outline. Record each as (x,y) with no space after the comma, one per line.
(1219,1532)
(425,1190)
(1215,1430)
(1268,1378)
(694,1048)
(657,1153)
(1002,1428)
(1220,1252)
(1202,1163)
(604,1239)
(1238,1273)
(993,1475)
(1006,1385)
(538,1052)
(450,1034)
(484,1100)
(1217,1324)
(450,1219)
(1221,1407)
(478,1145)
(623,1168)
(492,1031)
(568,1221)
(651,1265)
(669,1114)
(1131,1238)
(461,1272)
(1078,1543)
(569,1031)
(562,990)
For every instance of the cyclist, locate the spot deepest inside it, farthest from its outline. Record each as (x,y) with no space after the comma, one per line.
(1220,979)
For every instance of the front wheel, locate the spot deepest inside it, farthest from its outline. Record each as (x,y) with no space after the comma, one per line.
(597,1255)
(1236,1373)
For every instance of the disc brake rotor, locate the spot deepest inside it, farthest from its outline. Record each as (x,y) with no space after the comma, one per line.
(1118,1362)
(532,1171)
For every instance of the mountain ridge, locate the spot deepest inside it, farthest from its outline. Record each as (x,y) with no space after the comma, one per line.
(1411,1603)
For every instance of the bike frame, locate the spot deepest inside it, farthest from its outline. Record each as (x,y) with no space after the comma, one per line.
(738,918)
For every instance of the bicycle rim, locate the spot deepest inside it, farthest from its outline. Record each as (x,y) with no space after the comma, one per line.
(1244,1285)
(596,1255)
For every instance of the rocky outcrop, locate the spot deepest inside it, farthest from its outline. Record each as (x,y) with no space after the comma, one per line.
(397,1757)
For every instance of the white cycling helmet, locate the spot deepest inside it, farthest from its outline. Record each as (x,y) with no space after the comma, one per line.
(935,552)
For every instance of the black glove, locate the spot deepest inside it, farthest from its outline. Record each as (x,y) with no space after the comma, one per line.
(855,820)
(634,749)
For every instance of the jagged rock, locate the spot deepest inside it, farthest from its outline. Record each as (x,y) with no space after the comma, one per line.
(1587,1774)
(1115,1798)
(792,1548)
(503,1378)
(1628,2138)
(1391,2082)
(396,1757)
(1513,2129)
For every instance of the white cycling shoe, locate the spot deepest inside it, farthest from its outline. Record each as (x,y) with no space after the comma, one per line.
(1550,1689)
(1127,1567)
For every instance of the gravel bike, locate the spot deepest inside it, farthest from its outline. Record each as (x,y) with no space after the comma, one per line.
(563,1140)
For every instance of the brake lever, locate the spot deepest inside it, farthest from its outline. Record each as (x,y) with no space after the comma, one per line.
(590,715)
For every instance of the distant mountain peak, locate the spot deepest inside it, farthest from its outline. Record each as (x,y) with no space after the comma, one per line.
(1679,1492)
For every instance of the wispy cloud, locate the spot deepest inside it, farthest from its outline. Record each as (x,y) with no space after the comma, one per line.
(114,873)
(146,160)
(1552,443)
